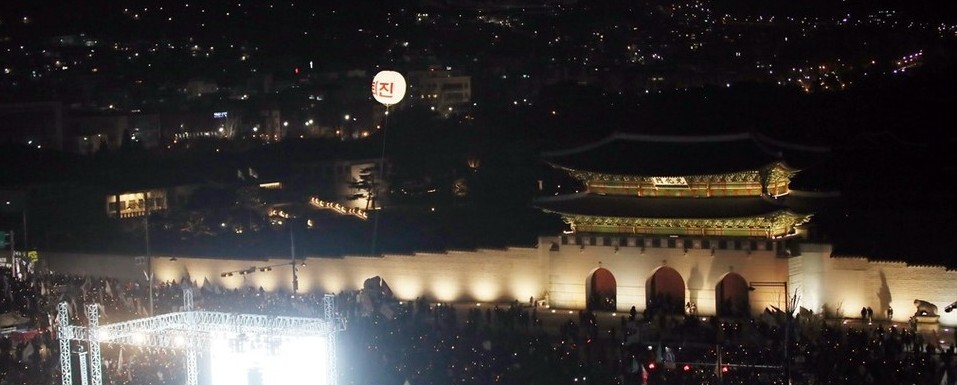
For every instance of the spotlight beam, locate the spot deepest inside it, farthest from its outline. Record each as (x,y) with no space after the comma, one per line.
(192,331)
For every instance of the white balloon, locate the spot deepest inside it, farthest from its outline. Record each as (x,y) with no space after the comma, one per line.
(388,87)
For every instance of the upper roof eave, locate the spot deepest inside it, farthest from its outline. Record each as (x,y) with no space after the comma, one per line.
(589,204)
(666,155)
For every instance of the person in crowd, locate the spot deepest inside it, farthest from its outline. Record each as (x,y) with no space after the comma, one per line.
(433,343)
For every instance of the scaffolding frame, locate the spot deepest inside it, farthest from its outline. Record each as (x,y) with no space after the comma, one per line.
(188,331)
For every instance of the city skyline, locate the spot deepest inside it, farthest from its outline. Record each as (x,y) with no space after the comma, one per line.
(715,187)
(178,94)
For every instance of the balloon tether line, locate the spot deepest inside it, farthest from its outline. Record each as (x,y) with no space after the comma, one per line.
(375,185)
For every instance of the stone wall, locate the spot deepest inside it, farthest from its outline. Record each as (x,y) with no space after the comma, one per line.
(483,275)
(561,269)
(852,283)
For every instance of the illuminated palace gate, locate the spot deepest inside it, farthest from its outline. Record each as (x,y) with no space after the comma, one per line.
(665,292)
(731,296)
(602,290)
(280,348)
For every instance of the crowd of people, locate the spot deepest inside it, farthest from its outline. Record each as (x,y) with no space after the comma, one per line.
(422,342)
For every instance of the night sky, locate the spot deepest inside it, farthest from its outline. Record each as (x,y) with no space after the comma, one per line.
(872,80)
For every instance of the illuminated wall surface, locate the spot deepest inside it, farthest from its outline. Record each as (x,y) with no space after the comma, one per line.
(562,274)
(259,360)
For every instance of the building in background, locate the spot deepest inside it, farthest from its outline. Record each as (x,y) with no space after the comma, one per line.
(136,204)
(709,223)
(442,91)
(39,124)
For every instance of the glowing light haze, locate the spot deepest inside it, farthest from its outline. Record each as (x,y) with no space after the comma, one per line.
(276,361)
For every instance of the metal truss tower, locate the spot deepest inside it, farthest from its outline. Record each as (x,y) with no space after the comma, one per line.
(93,319)
(329,312)
(192,372)
(188,331)
(63,320)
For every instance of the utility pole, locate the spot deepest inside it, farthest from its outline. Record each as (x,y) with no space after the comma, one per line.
(292,253)
(787,333)
(13,255)
(25,243)
(149,259)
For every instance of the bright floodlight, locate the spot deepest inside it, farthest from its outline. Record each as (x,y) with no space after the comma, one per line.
(139,338)
(263,360)
(244,349)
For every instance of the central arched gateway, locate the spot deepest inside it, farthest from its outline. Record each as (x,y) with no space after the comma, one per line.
(731,296)
(601,290)
(665,292)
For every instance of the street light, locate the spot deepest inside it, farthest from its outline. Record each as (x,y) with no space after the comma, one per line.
(788,309)
(754,285)
(263,269)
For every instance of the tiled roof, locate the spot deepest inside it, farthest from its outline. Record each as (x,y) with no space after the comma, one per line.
(659,207)
(648,155)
